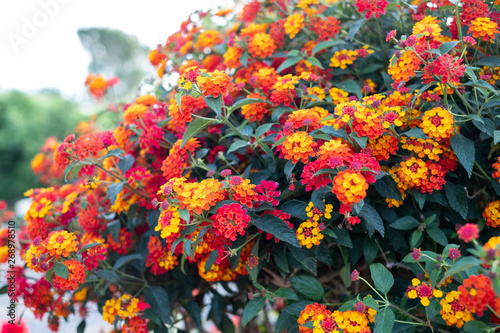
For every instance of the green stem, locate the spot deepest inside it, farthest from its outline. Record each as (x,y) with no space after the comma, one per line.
(482,171)
(381,41)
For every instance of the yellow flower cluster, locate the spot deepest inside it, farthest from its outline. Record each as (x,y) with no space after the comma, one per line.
(338,95)
(298,146)
(62,243)
(168,222)
(453,311)
(437,123)
(343,58)
(293,24)
(351,321)
(309,232)
(123,307)
(492,214)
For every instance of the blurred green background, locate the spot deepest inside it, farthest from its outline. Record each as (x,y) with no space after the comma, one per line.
(28,119)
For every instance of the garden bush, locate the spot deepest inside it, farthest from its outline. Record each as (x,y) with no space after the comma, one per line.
(311,166)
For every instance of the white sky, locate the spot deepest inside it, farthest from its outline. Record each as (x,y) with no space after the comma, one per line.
(51,56)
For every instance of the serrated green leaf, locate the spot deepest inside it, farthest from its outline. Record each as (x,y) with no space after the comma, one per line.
(61,270)
(354,28)
(382,278)
(288,63)
(308,286)
(286,293)
(315,62)
(448,46)
(128,258)
(194,128)
(405,223)
(252,309)
(237,145)
(437,235)
(215,104)
(157,298)
(113,190)
(384,321)
(416,132)
(278,228)
(373,221)
(488,61)
(457,197)
(465,151)
(211,260)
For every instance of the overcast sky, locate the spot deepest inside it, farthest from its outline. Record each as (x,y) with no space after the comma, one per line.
(39,46)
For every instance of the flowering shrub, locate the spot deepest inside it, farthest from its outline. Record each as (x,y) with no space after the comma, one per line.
(335,162)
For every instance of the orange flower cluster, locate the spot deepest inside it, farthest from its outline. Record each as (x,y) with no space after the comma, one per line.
(476,293)
(76,276)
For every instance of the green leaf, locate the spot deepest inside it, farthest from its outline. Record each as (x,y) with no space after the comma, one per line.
(244,59)
(215,104)
(476,326)
(437,235)
(315,62)
(387,187)
(284,320)
(114,152)
(184,214)
(415,239)
(308,286)
(324,45)
(289,166)
(343,237)
(350,86)
(278,228)
(263,129)
(457,197)
(114,228)
(373,221)
(419,198)
(286,293)
(382,278)
(370,302)
(296,308)
(246,101)
(61,270)
(306,258)
(446,47)
(251,309)
(288,63)
(113,191)
(333,132)
(488,61)
(465,151)
(482,84)
(126,162)
(194,311)
(88,246)
(157,298)
(178,99)
(109,276)
(81,327)
(211,260)
(416,132)
(194,128)
(49,274)
(496,137)
(128,258)
(355,26)
(461,265)
(69,168)
(405,223)
(384,321)
(237,145)
(295,208)
(361,141)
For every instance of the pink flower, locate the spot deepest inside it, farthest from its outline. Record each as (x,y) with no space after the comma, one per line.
(468,232)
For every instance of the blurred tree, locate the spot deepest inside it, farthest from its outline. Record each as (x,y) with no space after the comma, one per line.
(114,53)
(25,122)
